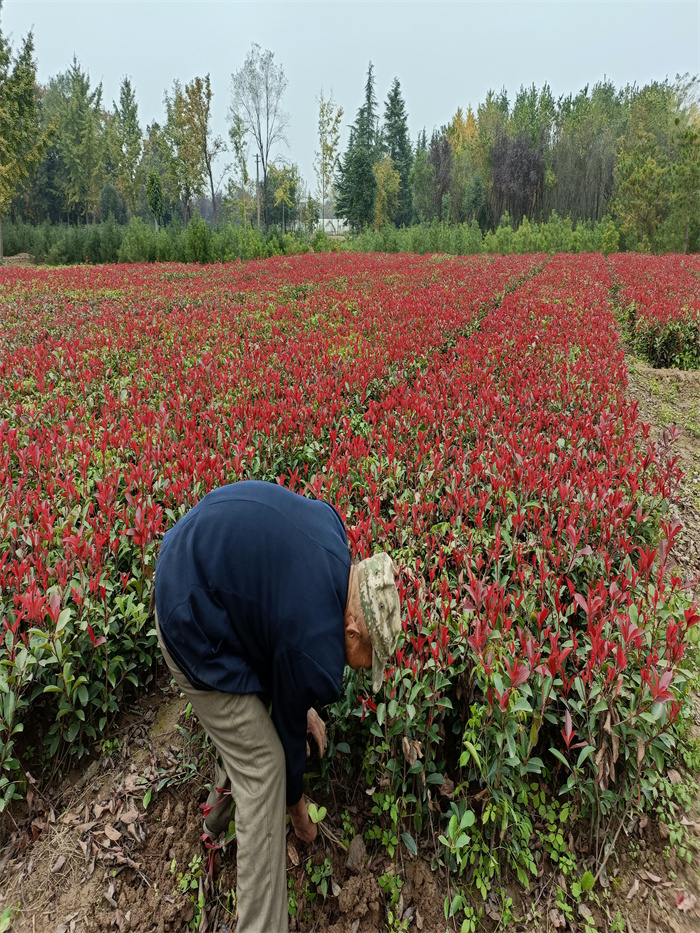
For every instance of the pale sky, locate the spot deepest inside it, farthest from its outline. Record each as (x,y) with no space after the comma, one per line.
(445,54)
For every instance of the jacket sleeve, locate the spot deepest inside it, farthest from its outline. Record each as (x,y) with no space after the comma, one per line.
(298,682)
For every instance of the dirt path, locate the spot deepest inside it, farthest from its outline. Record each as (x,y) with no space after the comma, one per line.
(671,398)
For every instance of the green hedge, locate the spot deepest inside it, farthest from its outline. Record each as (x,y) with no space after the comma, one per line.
(139,242)
(557,235)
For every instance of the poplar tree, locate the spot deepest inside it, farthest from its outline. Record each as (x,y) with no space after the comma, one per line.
(196,113)
(326,162)
(181,154)
(154,195)
(257,89)
(21,143)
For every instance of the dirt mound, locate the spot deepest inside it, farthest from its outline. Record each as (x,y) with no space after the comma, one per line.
(19,259)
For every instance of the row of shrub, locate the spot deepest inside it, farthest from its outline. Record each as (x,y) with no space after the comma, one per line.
(140,242)
(557,235)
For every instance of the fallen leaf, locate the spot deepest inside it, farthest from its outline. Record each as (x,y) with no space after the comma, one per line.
(61,928)
(447,788)
(335,887)
(648,876)
(112,833)
(685,902)
(131,816)
(293,854)
(557,919)
(58,864)
(86,827)
(674,776)
(70,817)
(633,890)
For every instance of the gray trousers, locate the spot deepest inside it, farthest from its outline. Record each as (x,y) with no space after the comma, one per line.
(252,756)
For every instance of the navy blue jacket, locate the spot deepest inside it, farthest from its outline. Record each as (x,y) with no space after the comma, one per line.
(251,587)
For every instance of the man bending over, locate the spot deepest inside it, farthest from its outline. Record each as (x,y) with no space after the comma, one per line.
(257,603)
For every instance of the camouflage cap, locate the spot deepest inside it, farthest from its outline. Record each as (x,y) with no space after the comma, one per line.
(380,607)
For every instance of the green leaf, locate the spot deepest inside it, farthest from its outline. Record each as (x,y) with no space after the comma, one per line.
(474,754)
(587,881)
(147,798)
(343,747)
(316,814)
(585,752)
(410,843)
(558,754)
(435,778)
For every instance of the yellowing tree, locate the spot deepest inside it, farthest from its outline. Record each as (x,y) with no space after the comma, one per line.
(388,184)
(462,130)
(196,115)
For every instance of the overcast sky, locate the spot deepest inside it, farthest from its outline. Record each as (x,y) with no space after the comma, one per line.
(445,54)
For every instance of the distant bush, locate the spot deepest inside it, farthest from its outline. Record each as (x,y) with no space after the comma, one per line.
(557,235)
(139,242)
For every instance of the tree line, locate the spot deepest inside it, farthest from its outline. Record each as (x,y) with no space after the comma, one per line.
(628,157)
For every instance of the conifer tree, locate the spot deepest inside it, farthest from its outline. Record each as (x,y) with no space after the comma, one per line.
(356,186)
(21,143)
(82,142)
(397,144)
(127,145)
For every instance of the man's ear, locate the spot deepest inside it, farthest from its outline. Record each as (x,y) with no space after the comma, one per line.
(351,625)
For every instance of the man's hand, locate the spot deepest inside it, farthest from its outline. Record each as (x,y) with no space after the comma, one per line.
(303,827)
(317,727)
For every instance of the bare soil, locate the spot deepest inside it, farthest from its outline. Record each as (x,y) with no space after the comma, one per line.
(21,260)
(87,856)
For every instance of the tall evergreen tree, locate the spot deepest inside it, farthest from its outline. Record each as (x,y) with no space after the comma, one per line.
(366,127)
(397,144)
(80,139)
(356,186)
(20,142)
(127,145)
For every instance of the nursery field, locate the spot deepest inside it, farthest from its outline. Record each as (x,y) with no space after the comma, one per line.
(472,416)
